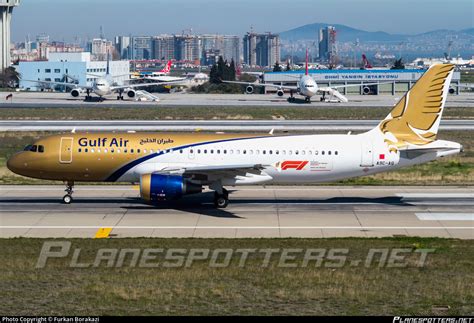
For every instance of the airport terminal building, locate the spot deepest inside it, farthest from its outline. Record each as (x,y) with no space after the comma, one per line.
(77,66)
(391,81)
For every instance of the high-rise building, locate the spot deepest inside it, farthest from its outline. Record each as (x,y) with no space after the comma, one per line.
(122,46)
(6,9)
(163,47)
(327,44)
(261,49)
(227,46)
(100,48)
(231,48)
(187,48)
(141,48)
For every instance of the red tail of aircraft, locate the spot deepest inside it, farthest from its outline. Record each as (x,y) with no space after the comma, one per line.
(306,72)
(167,69)
(366,61)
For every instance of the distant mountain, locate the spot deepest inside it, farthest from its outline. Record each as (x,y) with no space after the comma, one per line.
(469,31)
(349,34)
(344,33)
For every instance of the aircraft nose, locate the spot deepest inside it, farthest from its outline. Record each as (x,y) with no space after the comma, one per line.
(14,163)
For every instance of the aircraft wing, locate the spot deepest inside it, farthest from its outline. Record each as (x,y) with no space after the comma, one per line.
(133,86)
(287,87)
(162,78)
(327,88)
(227,171)
(61,83)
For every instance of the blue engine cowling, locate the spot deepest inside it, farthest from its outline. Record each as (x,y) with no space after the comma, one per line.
(159,187)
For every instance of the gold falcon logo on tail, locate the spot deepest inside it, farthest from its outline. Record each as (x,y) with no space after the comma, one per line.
(415,119)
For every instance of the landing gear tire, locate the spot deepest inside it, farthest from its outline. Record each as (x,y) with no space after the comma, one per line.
(307,100)
(67,199)
(221,201)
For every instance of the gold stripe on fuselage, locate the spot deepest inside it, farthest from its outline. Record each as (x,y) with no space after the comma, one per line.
(106,153)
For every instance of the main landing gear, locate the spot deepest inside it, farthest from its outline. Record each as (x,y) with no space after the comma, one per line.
(88,95)
(323,97)
(221,200)
(291,98)
(67,199)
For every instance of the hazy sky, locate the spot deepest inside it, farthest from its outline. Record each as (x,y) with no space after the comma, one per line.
(65,19)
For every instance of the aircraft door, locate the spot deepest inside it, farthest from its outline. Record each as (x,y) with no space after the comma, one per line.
(367,154)
(65,150)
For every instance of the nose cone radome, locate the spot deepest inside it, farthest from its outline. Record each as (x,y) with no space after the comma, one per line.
(15,164)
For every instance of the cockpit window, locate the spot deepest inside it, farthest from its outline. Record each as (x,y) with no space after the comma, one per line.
(34,148)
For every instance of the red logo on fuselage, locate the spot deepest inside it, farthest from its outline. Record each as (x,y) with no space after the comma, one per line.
(294,164)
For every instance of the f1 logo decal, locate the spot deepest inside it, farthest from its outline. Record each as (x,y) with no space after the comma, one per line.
(294,164)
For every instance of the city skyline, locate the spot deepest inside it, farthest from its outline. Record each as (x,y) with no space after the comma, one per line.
(52,17)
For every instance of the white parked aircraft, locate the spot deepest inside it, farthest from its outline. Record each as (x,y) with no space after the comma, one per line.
(306,87)
(103,86)
(170,165)
(160,76)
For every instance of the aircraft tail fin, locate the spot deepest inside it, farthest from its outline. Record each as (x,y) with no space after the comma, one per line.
(108,64)
(366,62)
(167,68)
(306,70)
(415,118)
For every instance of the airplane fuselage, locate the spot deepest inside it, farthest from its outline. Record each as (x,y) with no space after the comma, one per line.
(125,157)
(307,86)
(102,87)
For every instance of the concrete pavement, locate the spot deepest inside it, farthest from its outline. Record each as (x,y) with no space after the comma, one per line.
(254,212)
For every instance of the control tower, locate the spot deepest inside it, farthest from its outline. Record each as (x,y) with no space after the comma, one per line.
(6,9)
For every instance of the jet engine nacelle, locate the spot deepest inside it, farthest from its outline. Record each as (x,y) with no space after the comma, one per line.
(366,90)
(249,89)
(280,92)
(131,93)
(76,92)
(159,187)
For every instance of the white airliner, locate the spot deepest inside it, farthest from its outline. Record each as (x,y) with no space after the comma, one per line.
(103,86)
(170,165)
(306,87)
(162,75)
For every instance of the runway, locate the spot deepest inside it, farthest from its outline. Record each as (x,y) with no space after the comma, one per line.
(208,125)
(182,99)
(254,212)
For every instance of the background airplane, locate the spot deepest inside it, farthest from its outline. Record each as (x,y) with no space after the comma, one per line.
(160,76)
(170,165)
(104,85)
(306,87)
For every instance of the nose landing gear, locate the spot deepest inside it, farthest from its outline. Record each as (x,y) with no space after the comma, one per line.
(67,199)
